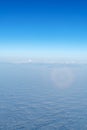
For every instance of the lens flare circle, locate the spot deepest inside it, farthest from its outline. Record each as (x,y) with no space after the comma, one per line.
(62,77)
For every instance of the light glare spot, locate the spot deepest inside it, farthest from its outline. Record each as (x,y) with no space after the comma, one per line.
(62,77)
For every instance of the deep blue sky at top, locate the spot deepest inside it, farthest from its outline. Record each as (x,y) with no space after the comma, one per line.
(43,28)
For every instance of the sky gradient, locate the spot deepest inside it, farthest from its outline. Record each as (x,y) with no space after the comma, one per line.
(43,29)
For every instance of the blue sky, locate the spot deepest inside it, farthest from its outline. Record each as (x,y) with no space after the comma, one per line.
(43,29)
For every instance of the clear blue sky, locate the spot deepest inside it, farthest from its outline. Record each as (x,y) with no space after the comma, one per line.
(43,28)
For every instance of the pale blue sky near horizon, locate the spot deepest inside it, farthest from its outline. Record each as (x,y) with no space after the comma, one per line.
(49,29)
